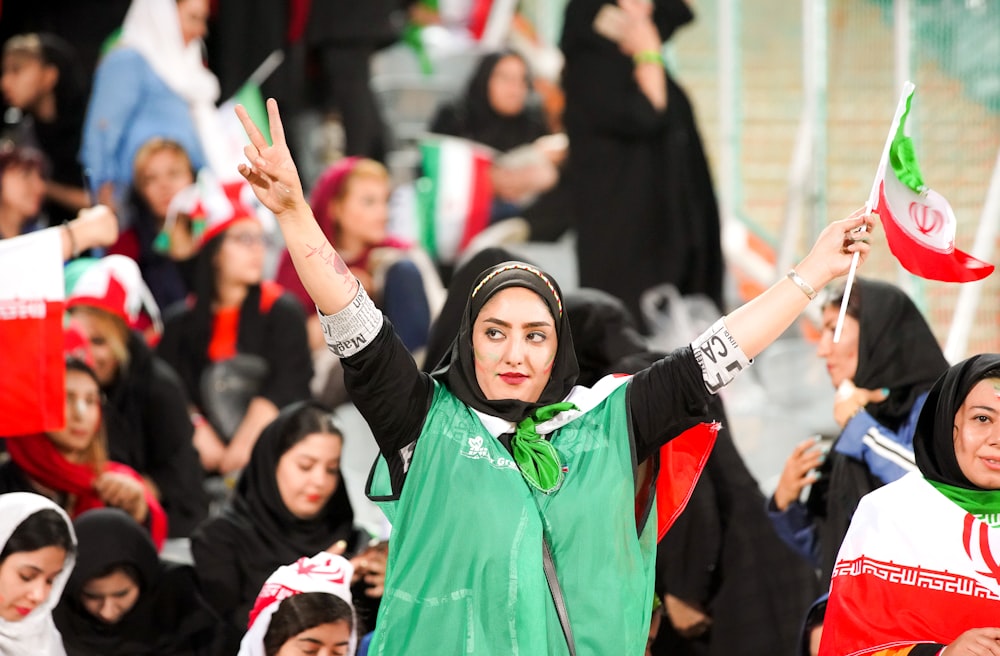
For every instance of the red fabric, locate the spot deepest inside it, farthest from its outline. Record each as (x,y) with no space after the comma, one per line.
(226,323)
(127,245)
(682,460)
(38,457)
(955,266)
(33,384)
(883,620)
(298,17)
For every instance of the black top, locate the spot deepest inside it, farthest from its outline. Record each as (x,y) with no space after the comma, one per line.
(149,429)
(394,397)
(169,618)
(638,168)
(278,335)
(235,552)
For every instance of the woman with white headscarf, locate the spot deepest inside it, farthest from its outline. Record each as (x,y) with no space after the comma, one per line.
(153,83)
(37,552)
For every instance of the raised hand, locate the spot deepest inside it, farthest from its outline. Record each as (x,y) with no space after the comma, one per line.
(271,173)
(978,642)
(835,247)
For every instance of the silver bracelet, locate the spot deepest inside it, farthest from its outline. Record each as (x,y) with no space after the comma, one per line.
(802,284)
(353,328)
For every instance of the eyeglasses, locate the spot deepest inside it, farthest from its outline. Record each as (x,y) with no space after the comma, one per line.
(249,240)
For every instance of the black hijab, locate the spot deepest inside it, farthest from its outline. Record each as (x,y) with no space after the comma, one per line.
(896,350)
(168,617)
(283,537)
(933,442)
(458,370)
(472,116)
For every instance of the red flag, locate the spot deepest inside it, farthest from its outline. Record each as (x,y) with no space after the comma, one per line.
(919,223)
(32,387)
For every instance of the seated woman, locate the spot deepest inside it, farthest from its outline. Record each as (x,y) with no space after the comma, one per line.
(351,204)
(71,466)
(161,169)
(496,110)
(239,345)
(37,548)
(304,608)
(886,360)
(122,599)
(22,188)
(145,409)
(917,573)
(290,501)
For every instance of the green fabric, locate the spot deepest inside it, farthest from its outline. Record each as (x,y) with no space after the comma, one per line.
(465,574)
(981,504)
(903,156)
(537,459)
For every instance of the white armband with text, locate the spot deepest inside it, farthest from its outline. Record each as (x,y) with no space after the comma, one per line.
(719,356)
(353,328)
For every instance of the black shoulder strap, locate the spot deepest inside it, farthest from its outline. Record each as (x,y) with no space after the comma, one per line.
(557,595)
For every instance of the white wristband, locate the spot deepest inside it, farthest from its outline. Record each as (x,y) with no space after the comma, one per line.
(719,356)
(354,327)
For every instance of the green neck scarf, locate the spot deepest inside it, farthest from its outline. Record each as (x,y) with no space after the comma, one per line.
(981,504)
(535,456)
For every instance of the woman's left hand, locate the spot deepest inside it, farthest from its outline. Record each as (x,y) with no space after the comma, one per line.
(122,491)
(835,247)
(369,566)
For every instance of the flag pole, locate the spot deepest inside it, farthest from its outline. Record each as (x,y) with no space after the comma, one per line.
(872,202)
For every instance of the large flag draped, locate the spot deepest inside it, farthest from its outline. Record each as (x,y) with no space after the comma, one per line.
(919,223)
(455,195)
(32,387)
(913,568)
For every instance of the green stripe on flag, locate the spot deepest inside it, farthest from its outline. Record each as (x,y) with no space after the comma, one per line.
(249,96)
(426,188)
(903,155)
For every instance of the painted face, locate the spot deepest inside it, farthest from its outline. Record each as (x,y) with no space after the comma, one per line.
(514,343)
(508,86)
(164,174)
(104,338)
(241,258)
(193,16)
(26,579)
(27,80)
(977,434)
(83,414)
(22,189)
(842,357)
(363,213)
(330,639)
(308,474)
(110,597)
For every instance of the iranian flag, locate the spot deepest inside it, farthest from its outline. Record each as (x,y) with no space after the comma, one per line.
(488,21)
(32,387)
(919,223)
(914,568)
(454,196)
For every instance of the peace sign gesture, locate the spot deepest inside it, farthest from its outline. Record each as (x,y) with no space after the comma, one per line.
(271,173)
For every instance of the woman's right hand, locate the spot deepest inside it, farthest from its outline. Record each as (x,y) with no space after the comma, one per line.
(984,641)
(796,475)
(272,173)
(122,491)
(639,33)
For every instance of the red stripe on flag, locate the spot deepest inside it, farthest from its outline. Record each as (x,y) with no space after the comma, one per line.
(479,16)
(32,388)
(480,201)
(682,460)
(867,613)
(925,262)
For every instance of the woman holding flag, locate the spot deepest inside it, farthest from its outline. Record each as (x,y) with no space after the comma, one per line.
(501,442)
(926,548)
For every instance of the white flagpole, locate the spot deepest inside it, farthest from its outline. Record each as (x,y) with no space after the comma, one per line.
(872,202)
